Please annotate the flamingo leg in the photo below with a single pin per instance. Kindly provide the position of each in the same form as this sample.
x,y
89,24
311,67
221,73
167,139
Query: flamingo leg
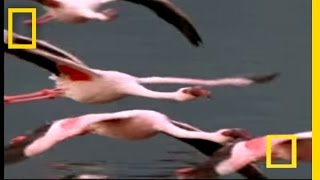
x,y
40,95
41,20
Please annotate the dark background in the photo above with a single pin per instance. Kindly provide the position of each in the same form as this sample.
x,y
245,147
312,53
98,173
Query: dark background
x,y
240,37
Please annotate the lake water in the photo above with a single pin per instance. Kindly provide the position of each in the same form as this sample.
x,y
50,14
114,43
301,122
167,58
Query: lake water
x,y
240,37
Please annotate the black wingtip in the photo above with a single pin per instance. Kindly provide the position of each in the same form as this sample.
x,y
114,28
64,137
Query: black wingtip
x,y
196,41
14,152
263,78
13,156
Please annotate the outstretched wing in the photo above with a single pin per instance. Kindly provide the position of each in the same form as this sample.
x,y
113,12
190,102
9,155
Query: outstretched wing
x,y
169,12
41,45
282,148
14,152
56,64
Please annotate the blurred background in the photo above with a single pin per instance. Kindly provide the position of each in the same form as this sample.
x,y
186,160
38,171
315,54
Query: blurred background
x,y
240,37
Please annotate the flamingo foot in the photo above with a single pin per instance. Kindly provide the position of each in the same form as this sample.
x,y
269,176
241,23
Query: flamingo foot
x,y
110,14
43,94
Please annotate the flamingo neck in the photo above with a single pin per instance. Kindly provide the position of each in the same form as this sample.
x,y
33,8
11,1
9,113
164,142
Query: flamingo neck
x,y
178,132
203,141
165,95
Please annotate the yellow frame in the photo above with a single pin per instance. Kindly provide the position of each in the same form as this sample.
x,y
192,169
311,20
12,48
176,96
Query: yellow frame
x,y
315,86
293,139
33,12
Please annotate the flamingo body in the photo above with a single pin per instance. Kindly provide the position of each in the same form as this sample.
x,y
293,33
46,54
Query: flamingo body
x,y
236,156
72,11
75,80
81,11
127,125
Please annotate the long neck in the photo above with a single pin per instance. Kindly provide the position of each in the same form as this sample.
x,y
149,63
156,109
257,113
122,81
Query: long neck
x,y
212,82
198,139
144,92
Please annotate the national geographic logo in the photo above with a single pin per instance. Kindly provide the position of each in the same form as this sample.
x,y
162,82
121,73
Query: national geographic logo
x,y
293,139
11,12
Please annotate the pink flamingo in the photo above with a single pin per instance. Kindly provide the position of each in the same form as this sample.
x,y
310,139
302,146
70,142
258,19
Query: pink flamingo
x,y
233,157
78,176
128,125
85,176
81,83
80,11
81,176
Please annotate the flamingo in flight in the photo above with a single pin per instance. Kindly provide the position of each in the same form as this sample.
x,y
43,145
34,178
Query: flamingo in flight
x,y
77,81
128,125
84,176
80,11
80,176
235,156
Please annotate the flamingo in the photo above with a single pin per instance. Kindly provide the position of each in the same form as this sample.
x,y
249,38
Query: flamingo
x,y
128,125
77,81
80,11
83,176
235,156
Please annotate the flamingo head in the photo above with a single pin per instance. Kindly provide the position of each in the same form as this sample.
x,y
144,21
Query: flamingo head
x,y
236,133
15,151
190,93
232,134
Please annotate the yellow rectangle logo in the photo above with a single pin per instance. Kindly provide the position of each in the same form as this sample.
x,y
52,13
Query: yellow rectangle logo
x,y
293,139
33,12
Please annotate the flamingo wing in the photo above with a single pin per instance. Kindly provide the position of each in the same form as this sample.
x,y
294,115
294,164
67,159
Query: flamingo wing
x,y
53,62
46,136
41,45
14,152
169,12
283,148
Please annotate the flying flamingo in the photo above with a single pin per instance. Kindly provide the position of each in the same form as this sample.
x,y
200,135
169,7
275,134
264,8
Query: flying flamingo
x,y
80,176
235,156
85,176
80,11
81,83
128,125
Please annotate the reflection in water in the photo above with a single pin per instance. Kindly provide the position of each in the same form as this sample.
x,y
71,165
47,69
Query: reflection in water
x,y
84,176
157,168
78,170
92,166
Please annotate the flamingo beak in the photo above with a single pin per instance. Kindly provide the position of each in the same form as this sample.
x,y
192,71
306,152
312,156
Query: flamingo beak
x,y
199,91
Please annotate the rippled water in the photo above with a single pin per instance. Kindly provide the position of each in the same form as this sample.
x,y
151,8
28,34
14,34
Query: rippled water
x,y
240,37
